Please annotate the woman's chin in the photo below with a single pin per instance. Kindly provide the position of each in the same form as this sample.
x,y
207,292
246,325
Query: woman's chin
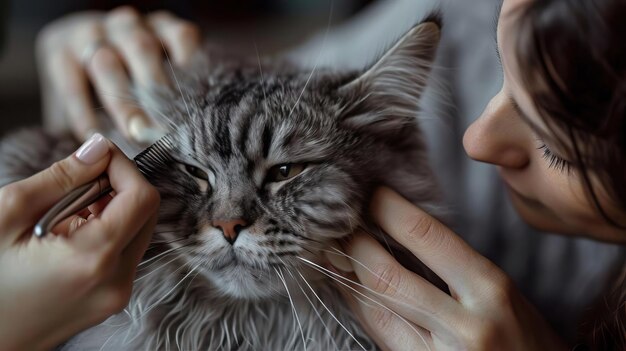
x,y
541,217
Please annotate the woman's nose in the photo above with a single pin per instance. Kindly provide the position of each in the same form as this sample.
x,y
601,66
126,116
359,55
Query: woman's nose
x,y
498,137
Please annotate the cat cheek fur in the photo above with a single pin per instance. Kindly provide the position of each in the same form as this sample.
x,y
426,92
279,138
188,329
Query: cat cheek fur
x,y
324,203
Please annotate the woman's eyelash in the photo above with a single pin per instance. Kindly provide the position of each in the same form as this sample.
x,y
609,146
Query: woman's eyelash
x,y
555,161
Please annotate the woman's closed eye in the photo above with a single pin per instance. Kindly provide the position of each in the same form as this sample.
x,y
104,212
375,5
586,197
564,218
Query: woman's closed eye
x,y
555,161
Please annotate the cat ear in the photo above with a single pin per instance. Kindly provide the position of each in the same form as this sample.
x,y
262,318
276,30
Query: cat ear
x,y
384,98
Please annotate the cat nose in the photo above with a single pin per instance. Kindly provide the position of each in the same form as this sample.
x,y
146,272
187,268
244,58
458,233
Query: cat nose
x,y
230,228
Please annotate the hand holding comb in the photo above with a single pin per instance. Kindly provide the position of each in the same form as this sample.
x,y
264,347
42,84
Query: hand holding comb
x,y
149,160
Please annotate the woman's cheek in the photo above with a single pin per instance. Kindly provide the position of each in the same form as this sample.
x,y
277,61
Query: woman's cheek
x,y
568,200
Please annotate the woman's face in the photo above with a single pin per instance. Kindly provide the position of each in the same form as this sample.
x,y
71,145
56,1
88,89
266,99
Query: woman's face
x,y
544,192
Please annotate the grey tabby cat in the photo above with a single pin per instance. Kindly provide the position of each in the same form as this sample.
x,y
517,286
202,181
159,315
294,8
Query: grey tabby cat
x,y
272,166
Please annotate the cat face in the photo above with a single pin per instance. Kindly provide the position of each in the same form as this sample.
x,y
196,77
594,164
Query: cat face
x,y
270,169
255,188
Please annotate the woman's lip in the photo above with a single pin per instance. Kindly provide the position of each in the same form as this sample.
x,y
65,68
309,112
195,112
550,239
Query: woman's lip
x,y
528,201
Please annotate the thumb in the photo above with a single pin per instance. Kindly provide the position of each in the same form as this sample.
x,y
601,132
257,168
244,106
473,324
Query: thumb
x,y
23,203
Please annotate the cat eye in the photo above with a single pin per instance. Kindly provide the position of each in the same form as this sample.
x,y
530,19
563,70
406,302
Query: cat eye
x,y
284,171
197,172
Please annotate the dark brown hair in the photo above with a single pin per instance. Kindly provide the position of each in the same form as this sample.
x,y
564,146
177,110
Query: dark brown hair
x,y
572,60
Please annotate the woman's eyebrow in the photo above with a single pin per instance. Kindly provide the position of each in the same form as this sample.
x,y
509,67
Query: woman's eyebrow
x,y
517,108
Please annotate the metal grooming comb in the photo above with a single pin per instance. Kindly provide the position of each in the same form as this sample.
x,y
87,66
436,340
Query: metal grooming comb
x,y
148,161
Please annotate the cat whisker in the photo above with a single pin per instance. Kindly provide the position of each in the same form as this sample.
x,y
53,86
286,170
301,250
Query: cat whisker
x,y
171,290
308,250
190,281
331,314
361,300
109,338
317,59
310,302
177,255
143,312
381,234
165,231
161,254
299,236
164,242
155,110
334,276
132,100
314,309
339,252
127,97
169,62
174,128
169,254
345,203
262,80
293,307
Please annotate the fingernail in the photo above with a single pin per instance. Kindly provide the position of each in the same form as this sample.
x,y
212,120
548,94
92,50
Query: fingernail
x,y
75,224
93,150
339,261
136,126
141,132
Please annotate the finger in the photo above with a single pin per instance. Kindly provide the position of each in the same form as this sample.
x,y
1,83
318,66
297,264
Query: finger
x,y
126,213
53,106
352,295
401,290
113,88
23,203
117,289
76,223
389,331
70,83
97,207
72,223
181,38
133,253
451,258
140,49
121,281
63,228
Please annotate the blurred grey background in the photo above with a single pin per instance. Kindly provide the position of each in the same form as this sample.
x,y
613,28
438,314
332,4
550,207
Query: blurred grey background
x,y
270,24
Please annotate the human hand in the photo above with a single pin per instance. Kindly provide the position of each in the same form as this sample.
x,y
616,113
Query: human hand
x,y
403,311
110,52
56,286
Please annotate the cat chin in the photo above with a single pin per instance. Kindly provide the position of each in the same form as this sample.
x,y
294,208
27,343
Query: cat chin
x,y
242,283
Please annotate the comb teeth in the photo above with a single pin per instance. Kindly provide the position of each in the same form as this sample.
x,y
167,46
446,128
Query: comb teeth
x,y
155,157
